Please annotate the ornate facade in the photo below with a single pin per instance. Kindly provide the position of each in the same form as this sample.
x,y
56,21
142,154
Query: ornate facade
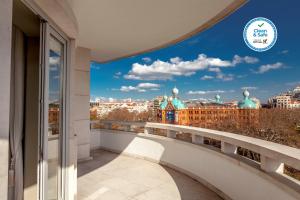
x,y
173,111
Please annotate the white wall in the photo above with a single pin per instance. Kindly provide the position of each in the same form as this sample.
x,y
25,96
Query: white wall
x,y
226,175
5,66
80,98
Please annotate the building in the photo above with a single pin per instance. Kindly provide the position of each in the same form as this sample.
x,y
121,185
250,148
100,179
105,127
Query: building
x,y
281,101
94,103
295,104
286,100
173,111
156,102
296,90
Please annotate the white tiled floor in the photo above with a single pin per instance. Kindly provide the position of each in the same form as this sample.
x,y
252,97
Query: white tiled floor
x,y
111,176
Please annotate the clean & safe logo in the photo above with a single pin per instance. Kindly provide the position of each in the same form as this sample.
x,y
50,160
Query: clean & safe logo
x,y
260,34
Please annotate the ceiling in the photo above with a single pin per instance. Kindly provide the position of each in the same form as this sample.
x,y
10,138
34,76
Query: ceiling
x,y
114,29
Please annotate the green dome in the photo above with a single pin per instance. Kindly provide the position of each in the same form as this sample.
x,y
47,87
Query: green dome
x,y
175,102
163,104
246,103
178,104
218,99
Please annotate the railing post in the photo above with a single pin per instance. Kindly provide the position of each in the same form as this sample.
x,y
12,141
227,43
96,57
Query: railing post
x,y
228,148
128,128
147,130
271,165
171,134
108,125
197,139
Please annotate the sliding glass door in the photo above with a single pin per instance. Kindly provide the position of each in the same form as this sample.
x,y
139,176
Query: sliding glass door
x,y
52,134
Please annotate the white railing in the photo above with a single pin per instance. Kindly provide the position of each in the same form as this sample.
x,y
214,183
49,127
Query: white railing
x,y
273,156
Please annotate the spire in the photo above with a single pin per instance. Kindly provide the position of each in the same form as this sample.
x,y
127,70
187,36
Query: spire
x,y
218,99
175,92
246,94
246,102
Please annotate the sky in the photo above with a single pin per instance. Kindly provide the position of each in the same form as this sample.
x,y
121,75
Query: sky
x,y
215,61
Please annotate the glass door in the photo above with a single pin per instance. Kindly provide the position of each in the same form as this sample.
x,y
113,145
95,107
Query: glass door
x,y
52,135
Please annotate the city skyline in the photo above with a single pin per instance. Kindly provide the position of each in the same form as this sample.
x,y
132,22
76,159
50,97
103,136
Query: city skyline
x,y
216,61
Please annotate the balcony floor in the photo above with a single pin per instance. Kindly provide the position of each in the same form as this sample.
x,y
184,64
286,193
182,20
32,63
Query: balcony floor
x,y
116,177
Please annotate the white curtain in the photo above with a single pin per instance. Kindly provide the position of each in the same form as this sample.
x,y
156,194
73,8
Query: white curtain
x,y
16,116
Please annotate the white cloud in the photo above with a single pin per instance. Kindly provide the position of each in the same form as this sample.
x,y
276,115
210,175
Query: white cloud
x,y
161,70
265,68
127,88
241,75
225,77
101,99
93,66
141,90
147,59
141,87
221,76
247,59
206,77
148,85
175,60
203,92
117,75
284,51
293,83
54,60
249,88
214,69
154,89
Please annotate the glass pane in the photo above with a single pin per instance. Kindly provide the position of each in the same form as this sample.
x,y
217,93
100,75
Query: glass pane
x,y
54,112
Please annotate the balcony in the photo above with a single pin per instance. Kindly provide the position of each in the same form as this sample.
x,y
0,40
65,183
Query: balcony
x,y
125,151
112,176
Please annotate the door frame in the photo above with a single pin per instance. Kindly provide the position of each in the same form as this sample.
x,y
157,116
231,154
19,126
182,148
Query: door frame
x,y
48,31
68,170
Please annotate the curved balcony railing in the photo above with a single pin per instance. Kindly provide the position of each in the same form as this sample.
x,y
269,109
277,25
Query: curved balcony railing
x,y
273,156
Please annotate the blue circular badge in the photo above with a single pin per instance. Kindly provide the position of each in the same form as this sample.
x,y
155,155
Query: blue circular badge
x,y
260,34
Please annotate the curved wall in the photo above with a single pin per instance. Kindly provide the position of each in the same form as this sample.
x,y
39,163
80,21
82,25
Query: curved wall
x,y
229,177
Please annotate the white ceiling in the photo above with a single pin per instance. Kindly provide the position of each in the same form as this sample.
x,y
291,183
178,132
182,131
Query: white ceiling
x,y
119,28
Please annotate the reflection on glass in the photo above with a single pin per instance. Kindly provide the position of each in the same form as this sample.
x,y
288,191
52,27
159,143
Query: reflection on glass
x,y
54,119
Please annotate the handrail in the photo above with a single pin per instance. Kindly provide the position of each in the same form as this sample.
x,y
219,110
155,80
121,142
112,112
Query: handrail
x,y
141,124
279,152
273,155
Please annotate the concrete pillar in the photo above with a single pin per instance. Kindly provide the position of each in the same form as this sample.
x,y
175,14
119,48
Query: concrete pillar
x,y
148,130
129,128
228,148
72,138
171,134
5,67
271,165
79,100
197,139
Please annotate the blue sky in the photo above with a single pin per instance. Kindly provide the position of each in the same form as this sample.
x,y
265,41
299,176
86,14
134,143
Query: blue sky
x,y
214,61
